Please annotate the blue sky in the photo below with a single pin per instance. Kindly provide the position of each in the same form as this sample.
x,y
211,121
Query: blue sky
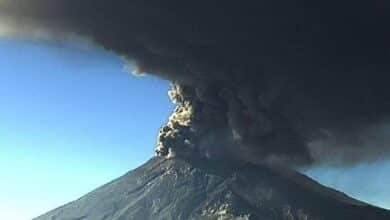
x,y
71,119
369,182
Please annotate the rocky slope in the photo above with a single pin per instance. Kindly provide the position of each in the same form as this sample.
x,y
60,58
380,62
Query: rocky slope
x,y
176,189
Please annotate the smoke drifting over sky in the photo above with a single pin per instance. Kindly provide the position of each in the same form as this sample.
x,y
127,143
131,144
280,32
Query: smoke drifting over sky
x,y
298,81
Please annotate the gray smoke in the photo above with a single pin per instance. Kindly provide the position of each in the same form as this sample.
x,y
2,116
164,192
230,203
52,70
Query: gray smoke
x,y
296,81
216,121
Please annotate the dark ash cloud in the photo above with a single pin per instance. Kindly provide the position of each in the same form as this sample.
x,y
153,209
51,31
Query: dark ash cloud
x,y
252,80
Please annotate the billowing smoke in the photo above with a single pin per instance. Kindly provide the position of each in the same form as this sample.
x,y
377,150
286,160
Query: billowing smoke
x,y
297,81
220,120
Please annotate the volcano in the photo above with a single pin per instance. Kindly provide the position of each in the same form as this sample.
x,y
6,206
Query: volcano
x,y
178,189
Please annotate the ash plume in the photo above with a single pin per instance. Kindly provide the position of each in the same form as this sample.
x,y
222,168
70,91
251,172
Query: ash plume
x,y
251,80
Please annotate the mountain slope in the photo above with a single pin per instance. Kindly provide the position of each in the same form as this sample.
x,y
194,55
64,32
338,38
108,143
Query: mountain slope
x,y
175,189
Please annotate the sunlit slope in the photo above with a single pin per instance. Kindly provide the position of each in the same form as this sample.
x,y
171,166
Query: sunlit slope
x,y
175,189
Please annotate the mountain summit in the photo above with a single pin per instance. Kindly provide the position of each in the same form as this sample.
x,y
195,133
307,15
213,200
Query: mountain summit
x,y
177,189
